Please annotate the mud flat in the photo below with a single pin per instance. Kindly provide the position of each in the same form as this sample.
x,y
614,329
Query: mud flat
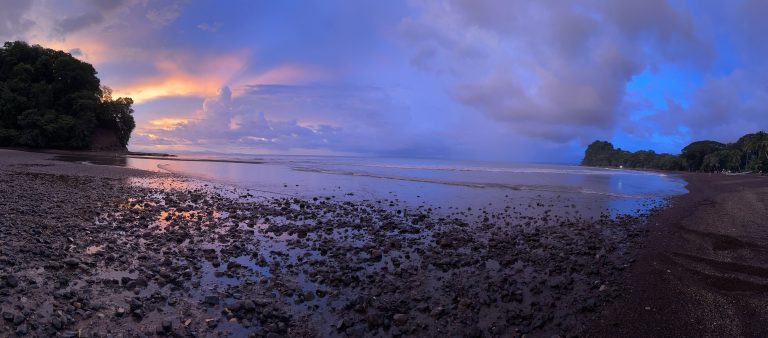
x,y
96,251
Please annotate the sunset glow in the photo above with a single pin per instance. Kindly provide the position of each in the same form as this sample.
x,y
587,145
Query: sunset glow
x,y
448,76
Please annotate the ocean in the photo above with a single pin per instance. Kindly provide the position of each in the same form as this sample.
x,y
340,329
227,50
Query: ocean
x,y
442,184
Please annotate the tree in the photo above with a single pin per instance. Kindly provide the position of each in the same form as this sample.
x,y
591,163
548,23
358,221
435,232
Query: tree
x,y
599,153
727,159
750,152
755,150
118,116
50,99
693,154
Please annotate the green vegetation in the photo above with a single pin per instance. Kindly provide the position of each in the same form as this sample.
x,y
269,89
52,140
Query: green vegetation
x,y
49,99
749,153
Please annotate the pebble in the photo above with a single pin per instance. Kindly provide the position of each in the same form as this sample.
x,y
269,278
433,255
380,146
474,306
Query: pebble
x,y
400,319
11,281
211,300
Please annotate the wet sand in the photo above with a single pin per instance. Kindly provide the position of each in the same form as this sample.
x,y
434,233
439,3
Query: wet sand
x,y
702,269
106,251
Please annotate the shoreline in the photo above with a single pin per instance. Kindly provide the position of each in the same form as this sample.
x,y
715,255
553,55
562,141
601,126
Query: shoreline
x,y
291,266
702,270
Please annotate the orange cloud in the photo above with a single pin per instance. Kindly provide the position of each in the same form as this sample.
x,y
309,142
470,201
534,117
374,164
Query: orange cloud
x,y
179,73
182,75
168,123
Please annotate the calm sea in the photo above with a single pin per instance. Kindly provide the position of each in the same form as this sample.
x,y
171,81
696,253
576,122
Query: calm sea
x,y
429,183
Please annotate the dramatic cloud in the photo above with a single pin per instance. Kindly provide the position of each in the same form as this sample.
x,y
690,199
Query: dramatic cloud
x,y
472,79
287,118
549,69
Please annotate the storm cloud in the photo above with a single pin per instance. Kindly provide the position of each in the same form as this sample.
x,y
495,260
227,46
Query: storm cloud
x,y
550,69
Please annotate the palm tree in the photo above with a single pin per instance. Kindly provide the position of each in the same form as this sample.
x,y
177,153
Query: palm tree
x,y
755,147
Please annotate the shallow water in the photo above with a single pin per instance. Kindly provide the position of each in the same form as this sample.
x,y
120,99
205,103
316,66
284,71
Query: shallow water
x,y
428,183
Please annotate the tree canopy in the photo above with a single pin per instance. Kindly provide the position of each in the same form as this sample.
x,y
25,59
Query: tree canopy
x,y
49,99
750,152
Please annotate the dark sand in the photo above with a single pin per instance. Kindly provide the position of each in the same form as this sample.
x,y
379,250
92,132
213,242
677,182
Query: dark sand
x,y
702,270
85,252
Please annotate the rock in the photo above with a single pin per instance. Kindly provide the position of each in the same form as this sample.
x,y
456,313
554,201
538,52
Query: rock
x,y
374,320
376,255
120,312
234,307
18,319
22,330
167,325
248,305
56,323
70,334
211,300
309,296
11,281
400,319
341,325
8,316
356,331
141,282
233,266
72,262
138,314
136,304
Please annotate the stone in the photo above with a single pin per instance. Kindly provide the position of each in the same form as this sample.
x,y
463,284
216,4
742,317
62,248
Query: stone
x,y
11,281
138,314
18,319
22,330
400,319
376,255
341,325
71,262
211,300
56,323
248,305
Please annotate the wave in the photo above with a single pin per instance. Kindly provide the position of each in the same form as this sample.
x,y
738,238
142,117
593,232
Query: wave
x,y
299,161
518,170
479,185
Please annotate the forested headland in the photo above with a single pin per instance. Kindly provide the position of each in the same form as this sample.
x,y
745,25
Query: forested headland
x,y
50,99
748,153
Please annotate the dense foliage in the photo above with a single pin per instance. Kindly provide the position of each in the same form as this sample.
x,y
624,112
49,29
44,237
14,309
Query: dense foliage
x,y
749,153
49,99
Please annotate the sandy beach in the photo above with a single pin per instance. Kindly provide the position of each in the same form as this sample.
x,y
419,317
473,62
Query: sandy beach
x,y
702,269
95,251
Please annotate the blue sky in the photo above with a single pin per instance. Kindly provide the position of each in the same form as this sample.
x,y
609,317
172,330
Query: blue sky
x,y
487,80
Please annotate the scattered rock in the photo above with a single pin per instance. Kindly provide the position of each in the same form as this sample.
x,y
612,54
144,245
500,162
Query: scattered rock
x,y
400,319
211,300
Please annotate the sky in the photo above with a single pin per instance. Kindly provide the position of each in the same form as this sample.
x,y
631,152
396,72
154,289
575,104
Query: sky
x,y
507,80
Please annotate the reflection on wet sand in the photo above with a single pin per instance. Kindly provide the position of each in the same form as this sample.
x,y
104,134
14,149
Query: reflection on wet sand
x,y
363,257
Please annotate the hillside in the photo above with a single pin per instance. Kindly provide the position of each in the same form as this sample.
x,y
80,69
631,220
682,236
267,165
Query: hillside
x,y
49,99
